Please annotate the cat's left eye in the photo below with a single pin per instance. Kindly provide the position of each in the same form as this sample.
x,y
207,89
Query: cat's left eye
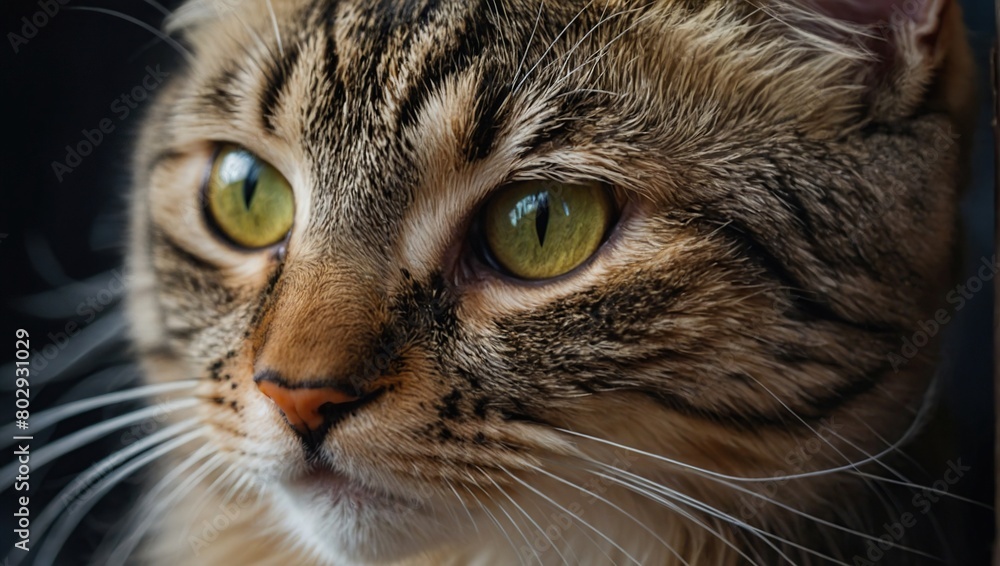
x,y
248,200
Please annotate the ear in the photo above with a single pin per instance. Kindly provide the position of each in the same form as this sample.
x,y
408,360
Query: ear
x,y
922,54
916,22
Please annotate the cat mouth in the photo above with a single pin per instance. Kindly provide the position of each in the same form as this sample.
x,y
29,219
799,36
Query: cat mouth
x,y
326,484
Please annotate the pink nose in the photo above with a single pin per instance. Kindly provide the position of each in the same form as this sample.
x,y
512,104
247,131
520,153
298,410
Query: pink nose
x,y
307,408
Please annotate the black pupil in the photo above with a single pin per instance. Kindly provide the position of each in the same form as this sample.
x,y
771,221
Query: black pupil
x,y
250,184
541,216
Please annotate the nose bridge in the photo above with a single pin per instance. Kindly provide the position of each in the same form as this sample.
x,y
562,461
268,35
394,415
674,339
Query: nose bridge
x,y
319,324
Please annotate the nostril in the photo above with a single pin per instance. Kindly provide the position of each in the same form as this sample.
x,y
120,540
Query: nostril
x,y
331,410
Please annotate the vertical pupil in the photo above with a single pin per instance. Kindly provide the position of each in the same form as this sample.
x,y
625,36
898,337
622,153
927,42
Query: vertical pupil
x,y
542,216
250,184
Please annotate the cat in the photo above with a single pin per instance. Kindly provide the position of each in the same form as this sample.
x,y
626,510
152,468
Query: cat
x,y
531,282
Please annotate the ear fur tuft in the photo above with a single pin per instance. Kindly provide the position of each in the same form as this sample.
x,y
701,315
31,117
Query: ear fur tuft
x,y
920,47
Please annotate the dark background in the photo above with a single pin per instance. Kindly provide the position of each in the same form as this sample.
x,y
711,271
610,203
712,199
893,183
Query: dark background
x,y
59,240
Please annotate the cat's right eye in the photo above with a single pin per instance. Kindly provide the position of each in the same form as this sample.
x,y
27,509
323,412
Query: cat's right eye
x,y
536,230
247,199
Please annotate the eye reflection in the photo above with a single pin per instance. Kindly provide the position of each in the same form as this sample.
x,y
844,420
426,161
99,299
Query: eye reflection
x,y
235,166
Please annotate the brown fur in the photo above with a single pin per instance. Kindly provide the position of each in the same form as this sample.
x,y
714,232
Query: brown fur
x,y
790,215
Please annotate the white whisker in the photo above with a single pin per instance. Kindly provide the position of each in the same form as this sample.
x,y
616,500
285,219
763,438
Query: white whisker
x,y
595,57
100,469
715,512
462,503
209,491
903,480
121,553
166,38
108,379
44,261
500,527
702,471
150,497
62,302
530,519
83,437
585,523
50,417
660,494
243,484
604,19
94,341
696,520
928,489
613,506
67,522
537,504
579,528
805,515
96,338
551,45
520,65
834,433
277,31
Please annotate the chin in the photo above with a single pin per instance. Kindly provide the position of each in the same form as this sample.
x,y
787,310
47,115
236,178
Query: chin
x,y
340,521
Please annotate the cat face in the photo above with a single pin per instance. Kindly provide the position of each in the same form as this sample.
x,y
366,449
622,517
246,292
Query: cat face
x,y
745,210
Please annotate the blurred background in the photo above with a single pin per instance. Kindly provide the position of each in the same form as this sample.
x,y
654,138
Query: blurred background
x,y
62,217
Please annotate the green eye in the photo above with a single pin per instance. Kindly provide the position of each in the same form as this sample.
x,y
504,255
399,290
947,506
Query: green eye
x,y
543,229
249,201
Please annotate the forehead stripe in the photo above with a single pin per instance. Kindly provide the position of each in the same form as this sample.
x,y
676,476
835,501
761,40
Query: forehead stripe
x,y
274,83
469,41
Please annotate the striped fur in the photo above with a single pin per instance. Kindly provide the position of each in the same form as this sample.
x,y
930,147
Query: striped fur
x,y
789,185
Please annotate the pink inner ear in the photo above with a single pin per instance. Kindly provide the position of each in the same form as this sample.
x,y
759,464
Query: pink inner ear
x,y
875,12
